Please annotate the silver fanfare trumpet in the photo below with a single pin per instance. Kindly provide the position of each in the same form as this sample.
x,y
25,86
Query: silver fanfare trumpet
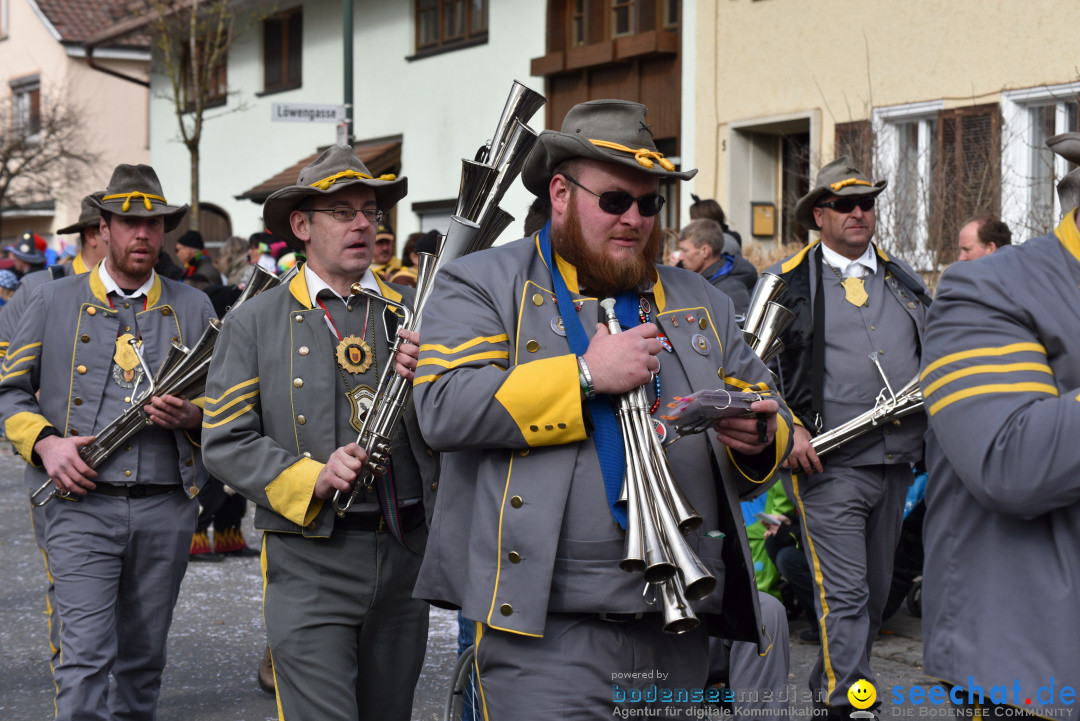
x,y
658,513
476,224
182,374
889,407
765,318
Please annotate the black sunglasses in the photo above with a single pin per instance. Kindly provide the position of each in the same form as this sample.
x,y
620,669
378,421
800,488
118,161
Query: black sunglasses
x,y
846,205
618,202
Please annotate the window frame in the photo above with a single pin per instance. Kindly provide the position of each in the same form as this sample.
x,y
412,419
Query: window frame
x,y
219,92
475,23
286,42
28,86
1017,163
886,124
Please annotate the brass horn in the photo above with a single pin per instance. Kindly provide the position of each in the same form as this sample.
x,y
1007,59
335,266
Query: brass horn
x,y
658,513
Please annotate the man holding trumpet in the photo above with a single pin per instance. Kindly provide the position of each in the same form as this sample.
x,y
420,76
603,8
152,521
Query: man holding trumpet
x,y
118,542
516,367
290,384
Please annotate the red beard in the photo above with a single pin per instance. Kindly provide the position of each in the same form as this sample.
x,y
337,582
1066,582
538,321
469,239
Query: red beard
x,y
597,271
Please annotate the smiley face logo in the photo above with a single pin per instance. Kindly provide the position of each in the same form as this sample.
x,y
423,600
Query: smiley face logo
x,y
862,694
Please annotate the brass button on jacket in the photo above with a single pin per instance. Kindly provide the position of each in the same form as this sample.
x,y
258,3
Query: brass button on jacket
x,y
506,609
516,502
81,370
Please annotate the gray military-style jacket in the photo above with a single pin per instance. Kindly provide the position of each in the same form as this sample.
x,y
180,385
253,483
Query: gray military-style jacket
x,y
269,425
1002,531
497,391
64,347
13,309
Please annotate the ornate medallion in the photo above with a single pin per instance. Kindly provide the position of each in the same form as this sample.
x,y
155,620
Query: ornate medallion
x,y
354,354
126,369
360,400
855,291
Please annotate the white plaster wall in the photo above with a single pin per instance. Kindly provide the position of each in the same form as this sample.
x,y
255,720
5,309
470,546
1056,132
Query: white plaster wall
x,y
444,106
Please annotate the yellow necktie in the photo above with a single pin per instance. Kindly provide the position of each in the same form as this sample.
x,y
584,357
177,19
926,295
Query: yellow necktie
x,y
855,291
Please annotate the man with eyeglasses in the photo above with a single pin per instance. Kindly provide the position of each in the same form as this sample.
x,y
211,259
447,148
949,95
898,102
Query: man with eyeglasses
x,y
515,382
292,378
858,325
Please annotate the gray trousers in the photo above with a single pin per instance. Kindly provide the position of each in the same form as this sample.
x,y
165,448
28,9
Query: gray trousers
x,y
851,526
346,636
758,680
587,668
37,521
117,564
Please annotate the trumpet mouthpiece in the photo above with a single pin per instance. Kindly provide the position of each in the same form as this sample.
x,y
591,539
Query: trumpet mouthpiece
x,y
608,304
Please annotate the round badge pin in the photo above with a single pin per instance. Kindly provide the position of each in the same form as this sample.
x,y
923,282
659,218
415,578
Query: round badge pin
x,y
660,429
557,325
700,344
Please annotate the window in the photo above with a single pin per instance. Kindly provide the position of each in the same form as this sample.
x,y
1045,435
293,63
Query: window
x,y
216,83
623,18
671,14
1030,170
282,50
447,24
26,107
578,29
905,154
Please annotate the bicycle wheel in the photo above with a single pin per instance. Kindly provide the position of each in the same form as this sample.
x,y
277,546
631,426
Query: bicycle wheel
x,y
462,687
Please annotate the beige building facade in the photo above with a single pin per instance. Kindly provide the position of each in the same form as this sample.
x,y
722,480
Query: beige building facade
x,y
42,62
951,101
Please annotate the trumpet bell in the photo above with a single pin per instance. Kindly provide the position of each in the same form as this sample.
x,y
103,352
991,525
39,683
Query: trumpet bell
x,y
679,617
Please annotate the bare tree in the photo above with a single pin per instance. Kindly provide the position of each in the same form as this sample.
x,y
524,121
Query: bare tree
x,y
40,150
192,40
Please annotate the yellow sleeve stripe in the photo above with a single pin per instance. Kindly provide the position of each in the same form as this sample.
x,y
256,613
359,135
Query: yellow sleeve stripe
x,y
417,380
550,418
743,385
200,402
993,388
977,352
238,386
5,376
975,370
11,365
225,420
23,430
230,404
435,348
500,354
15,353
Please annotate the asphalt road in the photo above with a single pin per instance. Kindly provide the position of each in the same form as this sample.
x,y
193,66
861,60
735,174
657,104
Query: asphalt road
x,y
217,636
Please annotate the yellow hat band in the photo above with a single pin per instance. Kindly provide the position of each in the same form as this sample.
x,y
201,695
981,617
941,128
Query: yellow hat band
x,y
325,183
850,181
146,198
644,156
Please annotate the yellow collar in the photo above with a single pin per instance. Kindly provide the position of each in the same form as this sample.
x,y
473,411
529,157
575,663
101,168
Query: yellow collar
x,y
102,294
79,265
298,288
1068,234
799,257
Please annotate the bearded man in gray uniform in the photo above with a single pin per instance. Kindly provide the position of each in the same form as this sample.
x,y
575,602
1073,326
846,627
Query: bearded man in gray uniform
x,y
524,538
858,314
290,382
1001,381
118,548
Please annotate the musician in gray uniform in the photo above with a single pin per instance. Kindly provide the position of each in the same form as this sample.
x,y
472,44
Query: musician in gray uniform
x,y
291,378
858,314
91,250
1001,382
118,549
525,538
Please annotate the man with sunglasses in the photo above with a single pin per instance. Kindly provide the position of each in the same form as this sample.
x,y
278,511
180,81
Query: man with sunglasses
x,y
292,377
515,382
858,317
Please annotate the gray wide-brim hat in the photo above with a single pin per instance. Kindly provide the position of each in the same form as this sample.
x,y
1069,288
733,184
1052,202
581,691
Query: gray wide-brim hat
x,y
89,215
335,169
1067,145
135,191
840,178
610,130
